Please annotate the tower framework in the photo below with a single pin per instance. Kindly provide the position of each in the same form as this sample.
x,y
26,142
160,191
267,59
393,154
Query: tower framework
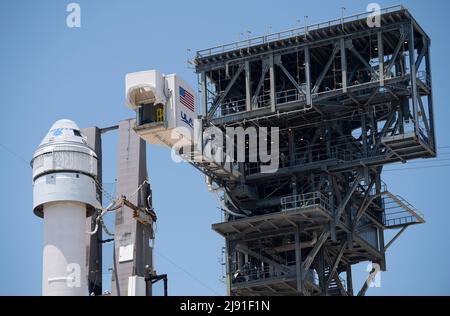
x,y
348,98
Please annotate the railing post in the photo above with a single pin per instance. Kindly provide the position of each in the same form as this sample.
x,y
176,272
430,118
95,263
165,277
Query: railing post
x,y
272,83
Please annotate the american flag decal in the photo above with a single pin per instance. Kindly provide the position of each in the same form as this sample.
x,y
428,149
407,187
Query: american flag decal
x,y
187,99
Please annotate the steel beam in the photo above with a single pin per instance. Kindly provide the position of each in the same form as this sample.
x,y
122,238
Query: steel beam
x,y
380,57
421,56
312,254
291,79
325,69
396,52
307,76
412,65
93,243
349,280
347,196
335,265
298,262
430,96
394,238
343,65
265,68
335,276
204,94
273,93
424,116
364,204
248,92
363,61
225,92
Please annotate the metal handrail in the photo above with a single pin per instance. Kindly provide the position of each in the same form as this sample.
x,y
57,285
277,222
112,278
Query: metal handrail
x,y
306,200
246,274
252,273
398,211
266,39
306,157
229,106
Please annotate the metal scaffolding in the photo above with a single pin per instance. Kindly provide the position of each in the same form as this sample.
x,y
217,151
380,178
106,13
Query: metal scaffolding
x,y
348,99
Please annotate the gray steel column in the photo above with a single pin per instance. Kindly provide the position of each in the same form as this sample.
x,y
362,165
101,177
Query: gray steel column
x,y
273,101
204,95
381,57
321,271
307,76
364,133
343,65
228,279
430,95
349,280
93,243
132,172
248,96
298,262
413,70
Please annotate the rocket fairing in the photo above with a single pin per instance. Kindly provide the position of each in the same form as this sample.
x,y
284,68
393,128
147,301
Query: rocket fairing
x,y
64,194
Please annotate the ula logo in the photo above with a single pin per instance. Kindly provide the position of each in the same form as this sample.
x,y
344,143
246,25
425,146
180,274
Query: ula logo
x,y
186,119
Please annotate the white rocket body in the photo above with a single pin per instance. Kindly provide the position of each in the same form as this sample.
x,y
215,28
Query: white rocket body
x,y
64,171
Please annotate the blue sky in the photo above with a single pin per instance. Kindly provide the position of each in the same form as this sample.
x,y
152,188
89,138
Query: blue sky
x,y
48,72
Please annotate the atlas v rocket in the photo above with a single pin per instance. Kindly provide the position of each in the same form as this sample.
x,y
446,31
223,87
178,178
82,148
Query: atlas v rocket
x,y
64,194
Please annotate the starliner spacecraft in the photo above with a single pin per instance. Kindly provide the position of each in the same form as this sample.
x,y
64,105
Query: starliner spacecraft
x,y
64,194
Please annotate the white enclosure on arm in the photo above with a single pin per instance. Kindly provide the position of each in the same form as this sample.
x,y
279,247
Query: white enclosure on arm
x,y
165,107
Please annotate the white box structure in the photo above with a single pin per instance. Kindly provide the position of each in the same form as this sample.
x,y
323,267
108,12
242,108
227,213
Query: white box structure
x,y
165,107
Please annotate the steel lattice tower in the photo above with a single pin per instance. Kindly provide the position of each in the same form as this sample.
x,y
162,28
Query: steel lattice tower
x,y
348,99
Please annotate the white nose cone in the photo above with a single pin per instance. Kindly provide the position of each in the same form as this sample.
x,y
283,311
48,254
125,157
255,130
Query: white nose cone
x,y
64,193
63,131
64,167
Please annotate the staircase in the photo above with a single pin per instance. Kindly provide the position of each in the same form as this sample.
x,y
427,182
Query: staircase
x,y
333,287
399,212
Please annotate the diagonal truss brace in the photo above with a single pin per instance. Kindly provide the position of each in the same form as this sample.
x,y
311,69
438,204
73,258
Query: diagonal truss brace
x,y
312,254
291,79
396,52
225,93
395,238
265,69
325,69
364,62
348,195
336,264
364,205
